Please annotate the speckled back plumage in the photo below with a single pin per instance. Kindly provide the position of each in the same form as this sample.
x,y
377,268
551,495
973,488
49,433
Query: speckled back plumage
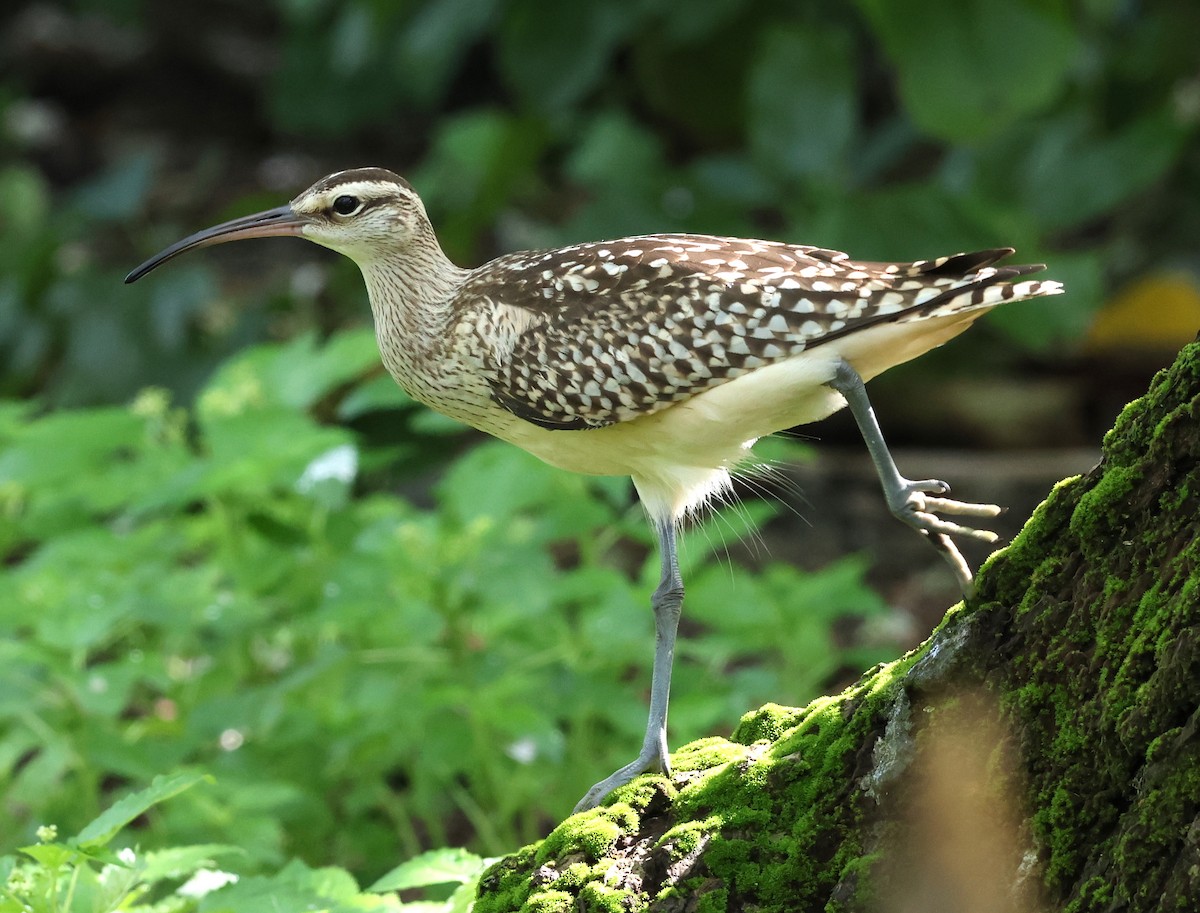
x,y
594,334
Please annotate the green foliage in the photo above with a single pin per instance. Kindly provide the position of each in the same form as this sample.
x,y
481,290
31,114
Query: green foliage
x,y
56,295
553,55
220,578
220,590
970,70
780,124
81,875
891,130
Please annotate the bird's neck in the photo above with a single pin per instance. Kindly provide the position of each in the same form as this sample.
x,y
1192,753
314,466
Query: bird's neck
x,y
413,296
412,299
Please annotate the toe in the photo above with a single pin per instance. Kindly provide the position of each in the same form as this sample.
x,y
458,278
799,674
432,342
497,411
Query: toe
x,y
962,508
929,486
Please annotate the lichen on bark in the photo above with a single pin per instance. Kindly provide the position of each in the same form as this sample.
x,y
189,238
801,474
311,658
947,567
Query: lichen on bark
x,y
1060,707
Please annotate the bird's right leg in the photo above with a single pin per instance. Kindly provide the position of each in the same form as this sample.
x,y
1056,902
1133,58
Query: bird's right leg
x,y
668,604
908,500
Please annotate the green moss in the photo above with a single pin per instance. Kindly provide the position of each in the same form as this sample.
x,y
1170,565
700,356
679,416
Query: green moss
x,y
1102,508
711,899
549,902
597,897
1085,627
767,723
590,833
1105,598
506,885
683,839
642,792
573,876
704,754
1096,893
701,895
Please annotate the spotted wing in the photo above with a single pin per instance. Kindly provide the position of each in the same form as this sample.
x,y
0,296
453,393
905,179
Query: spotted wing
x,y
601,333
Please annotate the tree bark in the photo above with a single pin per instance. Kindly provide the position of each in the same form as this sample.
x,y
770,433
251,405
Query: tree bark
x,y
1038,752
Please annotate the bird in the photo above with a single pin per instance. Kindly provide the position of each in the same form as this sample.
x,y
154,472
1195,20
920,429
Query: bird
x,y
662,357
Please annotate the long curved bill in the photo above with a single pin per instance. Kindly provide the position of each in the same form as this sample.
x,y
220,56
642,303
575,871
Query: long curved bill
x,y
271,223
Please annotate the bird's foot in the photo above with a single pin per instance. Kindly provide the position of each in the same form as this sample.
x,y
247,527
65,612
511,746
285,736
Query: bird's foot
x,y
914,505
652,759
919,504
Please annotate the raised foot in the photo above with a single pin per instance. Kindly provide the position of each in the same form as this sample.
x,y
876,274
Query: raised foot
x,y
918,505
648,761
914,505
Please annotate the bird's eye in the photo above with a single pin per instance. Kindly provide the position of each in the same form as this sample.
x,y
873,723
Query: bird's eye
x,y
346,205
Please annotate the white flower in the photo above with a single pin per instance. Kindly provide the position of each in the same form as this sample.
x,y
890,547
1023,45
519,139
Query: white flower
x,y
523,750
339,464
205,882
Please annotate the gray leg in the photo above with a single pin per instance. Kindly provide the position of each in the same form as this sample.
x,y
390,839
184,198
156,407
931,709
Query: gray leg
x,y
667,603
910,500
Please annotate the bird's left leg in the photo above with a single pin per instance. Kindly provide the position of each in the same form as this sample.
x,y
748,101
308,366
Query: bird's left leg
x,y
668,604
911,501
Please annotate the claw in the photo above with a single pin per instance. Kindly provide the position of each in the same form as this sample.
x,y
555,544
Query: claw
x,y
927,522
914,505
929,486
958,564
963,508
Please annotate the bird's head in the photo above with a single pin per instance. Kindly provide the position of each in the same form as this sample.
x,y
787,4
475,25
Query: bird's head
x,y
366,214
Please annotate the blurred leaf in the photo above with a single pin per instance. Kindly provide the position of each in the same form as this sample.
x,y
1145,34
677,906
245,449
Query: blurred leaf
x,y
435,867
622,165
329,477
119,192
260,448
68,445
295,887
703,18
691,78
478,162
53,855
295,374
432,46
428,422
181,861
102,350
499,481
333,75
732,178
26,203
616,153
380,393
553,54
176,300
100,831
803,113
1073,172
352,39
463,899
969,68
900,222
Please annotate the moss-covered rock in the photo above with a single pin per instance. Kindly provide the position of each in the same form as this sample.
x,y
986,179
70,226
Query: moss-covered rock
x,y
1050,724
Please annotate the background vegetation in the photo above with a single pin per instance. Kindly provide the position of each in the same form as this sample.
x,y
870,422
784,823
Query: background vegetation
x,y
230,546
